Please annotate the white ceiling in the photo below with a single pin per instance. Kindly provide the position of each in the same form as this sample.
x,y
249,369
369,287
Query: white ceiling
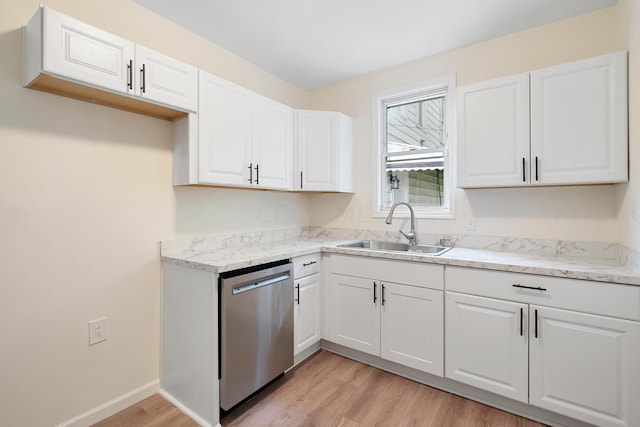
x,y
314,43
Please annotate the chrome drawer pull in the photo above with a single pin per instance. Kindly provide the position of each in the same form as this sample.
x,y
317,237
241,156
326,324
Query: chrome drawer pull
x,y
307,264
538,288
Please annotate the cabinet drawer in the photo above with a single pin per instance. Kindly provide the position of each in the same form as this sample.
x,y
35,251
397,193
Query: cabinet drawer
x,y
306,265
607,299
404,272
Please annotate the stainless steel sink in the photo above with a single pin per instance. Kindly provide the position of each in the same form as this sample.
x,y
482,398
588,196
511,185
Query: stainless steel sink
x,y
377,245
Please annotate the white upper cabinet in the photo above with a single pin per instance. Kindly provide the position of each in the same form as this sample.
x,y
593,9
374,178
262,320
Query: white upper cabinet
x,y
493,137
245,140
71,49
324,142
272,142
560,125
579,121
163,79
224,134
66,56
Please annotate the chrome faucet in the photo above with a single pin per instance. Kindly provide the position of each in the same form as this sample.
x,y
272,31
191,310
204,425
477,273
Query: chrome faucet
x,y
411,235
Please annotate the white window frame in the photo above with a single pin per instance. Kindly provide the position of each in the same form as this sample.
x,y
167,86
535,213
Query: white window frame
x,y
407,94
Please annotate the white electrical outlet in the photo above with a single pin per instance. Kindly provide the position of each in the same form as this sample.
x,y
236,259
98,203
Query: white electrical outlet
x,y
471,224
97,331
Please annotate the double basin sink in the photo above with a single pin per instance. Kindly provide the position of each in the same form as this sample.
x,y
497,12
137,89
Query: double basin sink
x,y
382,246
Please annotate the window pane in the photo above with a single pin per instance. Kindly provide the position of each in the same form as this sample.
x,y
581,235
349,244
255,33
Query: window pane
x,y
426,187
415,146
416,125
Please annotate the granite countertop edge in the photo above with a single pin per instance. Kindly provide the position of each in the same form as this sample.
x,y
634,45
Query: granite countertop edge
x,y
221,260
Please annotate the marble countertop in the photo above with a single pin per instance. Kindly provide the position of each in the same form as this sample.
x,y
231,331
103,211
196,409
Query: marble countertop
x,y
228,258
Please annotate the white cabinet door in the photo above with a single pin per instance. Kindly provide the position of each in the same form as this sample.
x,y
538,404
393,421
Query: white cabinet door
x,y
77,51
325,151
412,325
486,344
493,133
224,137
307,312
166,80
356,317
585,366
579,121
65,56
272,136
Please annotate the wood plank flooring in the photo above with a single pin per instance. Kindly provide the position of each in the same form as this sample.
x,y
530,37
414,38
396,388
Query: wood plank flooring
x,y
330,390
153,411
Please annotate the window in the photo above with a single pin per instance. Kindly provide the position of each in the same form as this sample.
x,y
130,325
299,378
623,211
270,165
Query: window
x,y
415,155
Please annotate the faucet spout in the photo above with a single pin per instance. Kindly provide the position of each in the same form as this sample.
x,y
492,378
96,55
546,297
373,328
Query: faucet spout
x,y
411,235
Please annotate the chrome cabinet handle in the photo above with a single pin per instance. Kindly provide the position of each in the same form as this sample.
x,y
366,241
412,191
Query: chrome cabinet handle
x,y
524,176
301,180
537,169
536,323
307,264
375,285
383,300
298,289
257,173
250,173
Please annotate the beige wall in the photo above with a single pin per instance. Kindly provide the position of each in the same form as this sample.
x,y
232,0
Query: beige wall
x,y
85,198
576,213
86,195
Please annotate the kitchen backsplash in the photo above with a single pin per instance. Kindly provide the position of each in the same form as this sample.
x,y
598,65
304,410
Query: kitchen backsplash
x,y
539,247
207,243
567,248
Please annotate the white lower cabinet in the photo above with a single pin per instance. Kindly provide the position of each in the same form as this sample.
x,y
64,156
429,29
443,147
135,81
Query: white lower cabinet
x,y
189,342
585,366
524,337
307,312
417,347
356,313
487,344
400,322
307,302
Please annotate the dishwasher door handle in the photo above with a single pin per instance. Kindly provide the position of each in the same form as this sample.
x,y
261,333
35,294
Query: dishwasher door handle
x,y
259,284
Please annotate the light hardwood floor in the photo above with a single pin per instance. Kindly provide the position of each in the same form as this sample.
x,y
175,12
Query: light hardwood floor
x,y
330,390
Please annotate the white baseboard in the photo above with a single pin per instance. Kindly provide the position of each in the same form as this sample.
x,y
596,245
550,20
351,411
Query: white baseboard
x,y
186,410
113,406
305,354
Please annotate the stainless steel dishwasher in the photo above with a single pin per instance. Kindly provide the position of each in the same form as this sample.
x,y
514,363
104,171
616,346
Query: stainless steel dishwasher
x,y
256,329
